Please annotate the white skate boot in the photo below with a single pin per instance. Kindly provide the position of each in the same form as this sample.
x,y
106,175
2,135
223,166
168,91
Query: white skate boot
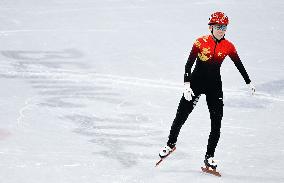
x,y
210,166
165,152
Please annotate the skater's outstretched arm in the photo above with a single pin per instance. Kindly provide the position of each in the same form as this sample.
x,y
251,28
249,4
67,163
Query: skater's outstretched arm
x,y
238,63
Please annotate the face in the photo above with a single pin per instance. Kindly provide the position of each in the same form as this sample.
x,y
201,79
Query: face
x,y
218,30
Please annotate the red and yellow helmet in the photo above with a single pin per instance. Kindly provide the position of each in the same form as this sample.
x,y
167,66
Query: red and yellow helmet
x,y
218,18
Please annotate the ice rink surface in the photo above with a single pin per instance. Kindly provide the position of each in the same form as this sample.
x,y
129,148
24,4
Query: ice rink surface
x,y
89,89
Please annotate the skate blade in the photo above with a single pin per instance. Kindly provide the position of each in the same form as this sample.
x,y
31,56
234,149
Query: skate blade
x,y
160,161
210,171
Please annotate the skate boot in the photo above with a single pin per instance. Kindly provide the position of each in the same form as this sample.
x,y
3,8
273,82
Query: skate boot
x,y
167,150
210,166
209,162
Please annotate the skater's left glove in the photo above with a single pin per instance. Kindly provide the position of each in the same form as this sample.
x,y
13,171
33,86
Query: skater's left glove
x,y
251,88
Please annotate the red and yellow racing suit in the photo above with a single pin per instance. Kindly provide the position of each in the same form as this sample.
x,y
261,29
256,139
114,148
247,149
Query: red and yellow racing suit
x,y
209,54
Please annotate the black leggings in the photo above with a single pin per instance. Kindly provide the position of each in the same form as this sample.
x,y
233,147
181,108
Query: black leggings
x,y
215,106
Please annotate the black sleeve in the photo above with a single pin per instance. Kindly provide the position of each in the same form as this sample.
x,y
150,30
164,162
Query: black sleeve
x,y
238,63
190,61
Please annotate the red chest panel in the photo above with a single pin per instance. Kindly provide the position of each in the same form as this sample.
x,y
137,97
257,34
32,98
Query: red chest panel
x,y
210,51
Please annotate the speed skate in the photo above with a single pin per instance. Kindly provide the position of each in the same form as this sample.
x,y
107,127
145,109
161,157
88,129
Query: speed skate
x,y
162,158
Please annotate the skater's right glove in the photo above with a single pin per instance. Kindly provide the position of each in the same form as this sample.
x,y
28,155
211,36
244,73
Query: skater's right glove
x,y
251,88
187,93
